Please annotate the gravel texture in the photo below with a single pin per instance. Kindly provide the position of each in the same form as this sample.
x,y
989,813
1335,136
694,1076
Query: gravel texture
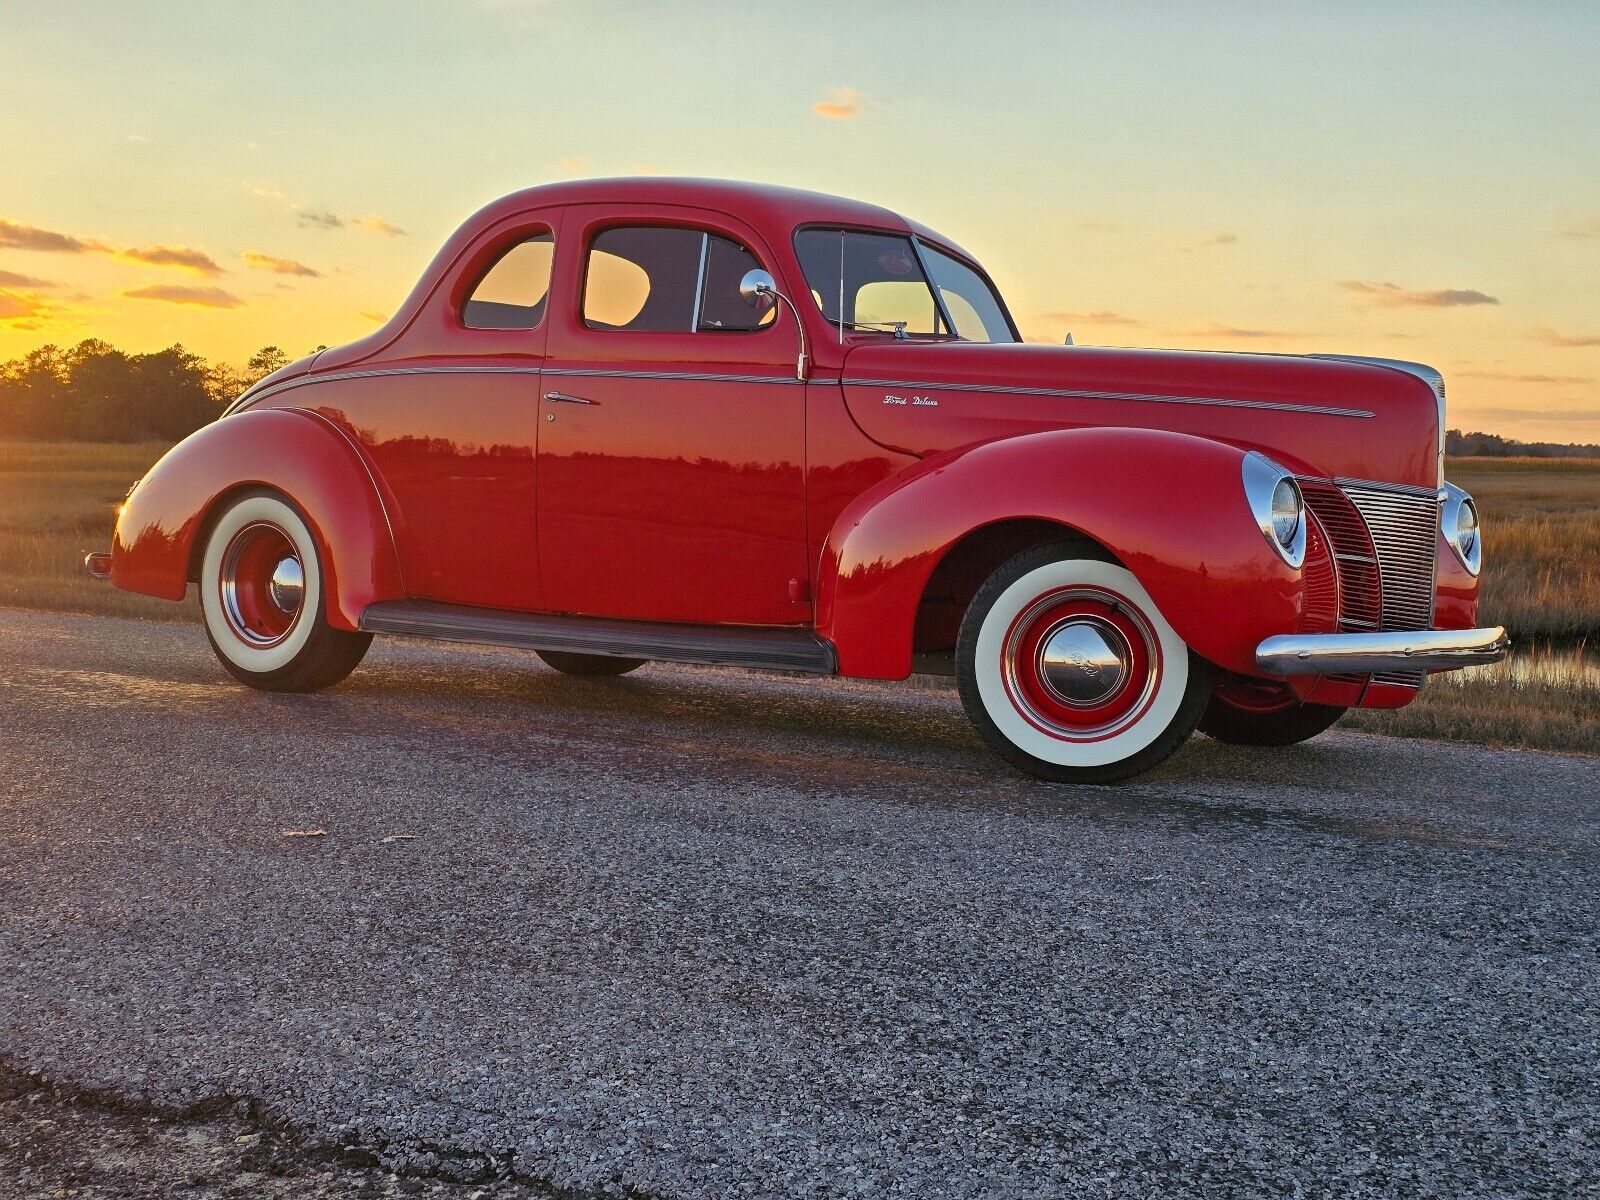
x,y
702,933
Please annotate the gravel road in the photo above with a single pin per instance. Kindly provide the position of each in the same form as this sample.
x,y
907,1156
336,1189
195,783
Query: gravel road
x,y
698,933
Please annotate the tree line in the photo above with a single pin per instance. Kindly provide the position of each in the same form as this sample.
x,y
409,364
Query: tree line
x,y
93,392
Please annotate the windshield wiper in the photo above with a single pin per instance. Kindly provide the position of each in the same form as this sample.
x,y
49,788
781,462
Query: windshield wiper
x,y
898,328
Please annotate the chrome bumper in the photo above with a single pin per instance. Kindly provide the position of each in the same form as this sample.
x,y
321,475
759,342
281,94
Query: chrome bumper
x,y
1368,653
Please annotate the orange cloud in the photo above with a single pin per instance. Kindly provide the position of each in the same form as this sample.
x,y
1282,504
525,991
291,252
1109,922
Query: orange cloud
x,y
16,236
12,279
27,311
1589,228
377,318
575,163
203,297
843,104
1392,295
185,258
1551,338
379,225
1101,317
279,266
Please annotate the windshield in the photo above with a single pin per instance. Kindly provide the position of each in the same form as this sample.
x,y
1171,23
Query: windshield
x,y
875,282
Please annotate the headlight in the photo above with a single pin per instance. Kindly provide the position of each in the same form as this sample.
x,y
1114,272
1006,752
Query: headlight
x,y
1458,519
1277,506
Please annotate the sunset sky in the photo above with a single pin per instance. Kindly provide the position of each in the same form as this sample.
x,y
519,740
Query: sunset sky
x,y
1411,180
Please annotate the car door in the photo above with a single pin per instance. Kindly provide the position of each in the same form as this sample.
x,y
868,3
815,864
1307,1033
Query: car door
x,y
449,420
672,431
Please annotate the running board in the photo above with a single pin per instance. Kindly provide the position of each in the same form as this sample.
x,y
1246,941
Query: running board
x,y
772,648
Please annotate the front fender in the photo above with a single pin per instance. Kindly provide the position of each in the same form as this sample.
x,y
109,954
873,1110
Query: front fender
x,y
1170,506
296,453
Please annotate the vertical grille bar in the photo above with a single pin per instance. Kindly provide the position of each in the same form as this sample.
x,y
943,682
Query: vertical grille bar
x,y
1404,525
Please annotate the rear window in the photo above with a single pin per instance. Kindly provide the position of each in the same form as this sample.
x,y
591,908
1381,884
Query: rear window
x,y
512,293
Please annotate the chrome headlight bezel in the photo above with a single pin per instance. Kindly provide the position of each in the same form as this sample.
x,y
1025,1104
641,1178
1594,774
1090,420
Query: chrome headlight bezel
x,y
1455,504
1262,480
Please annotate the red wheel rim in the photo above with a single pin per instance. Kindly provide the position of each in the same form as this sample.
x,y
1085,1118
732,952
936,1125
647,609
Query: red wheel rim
x,y
262,585
1081,663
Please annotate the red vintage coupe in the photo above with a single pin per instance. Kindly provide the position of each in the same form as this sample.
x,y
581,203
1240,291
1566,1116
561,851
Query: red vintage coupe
x,y
711,422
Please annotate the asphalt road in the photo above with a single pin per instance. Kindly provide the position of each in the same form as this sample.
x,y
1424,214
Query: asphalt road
x,y
703,933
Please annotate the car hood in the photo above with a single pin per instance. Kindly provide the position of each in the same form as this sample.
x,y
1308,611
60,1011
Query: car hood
x,y
1318,415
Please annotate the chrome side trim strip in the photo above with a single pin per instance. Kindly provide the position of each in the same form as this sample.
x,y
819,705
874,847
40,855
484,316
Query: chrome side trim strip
x,y
687,376
1086,394
1370,653
378,372
377,491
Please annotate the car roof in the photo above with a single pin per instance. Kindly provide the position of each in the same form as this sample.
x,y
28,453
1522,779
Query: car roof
x,y
755,202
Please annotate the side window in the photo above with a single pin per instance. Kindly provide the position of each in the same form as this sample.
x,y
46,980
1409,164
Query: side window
x,y
512,293
664,280
642,279
721,306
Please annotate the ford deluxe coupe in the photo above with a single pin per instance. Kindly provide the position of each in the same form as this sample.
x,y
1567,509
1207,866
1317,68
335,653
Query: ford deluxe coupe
x,y
694,421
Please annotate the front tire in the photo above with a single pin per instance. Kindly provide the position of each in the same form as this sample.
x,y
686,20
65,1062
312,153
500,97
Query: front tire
x,y
1070,672
262,600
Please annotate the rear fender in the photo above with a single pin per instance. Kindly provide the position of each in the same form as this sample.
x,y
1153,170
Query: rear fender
x,y
1170,506
294,452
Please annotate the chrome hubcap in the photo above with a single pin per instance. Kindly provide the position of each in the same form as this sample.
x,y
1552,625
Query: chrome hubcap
x,y
1084,661
288,586
261,584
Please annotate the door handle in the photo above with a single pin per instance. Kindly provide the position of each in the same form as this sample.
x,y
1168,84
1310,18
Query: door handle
x,y
565,398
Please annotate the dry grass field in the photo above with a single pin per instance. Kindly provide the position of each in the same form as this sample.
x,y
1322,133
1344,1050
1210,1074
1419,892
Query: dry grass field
x,y
1542,545
58,501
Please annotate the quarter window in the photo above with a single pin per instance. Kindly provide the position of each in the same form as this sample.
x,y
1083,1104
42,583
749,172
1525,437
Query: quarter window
x,y
656,279
512,293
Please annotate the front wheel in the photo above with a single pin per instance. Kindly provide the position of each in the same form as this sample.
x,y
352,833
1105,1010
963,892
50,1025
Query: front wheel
x,y
262,598
1070,672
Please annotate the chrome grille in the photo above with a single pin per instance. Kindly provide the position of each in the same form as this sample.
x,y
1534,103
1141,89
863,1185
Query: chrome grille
x,y
1404,526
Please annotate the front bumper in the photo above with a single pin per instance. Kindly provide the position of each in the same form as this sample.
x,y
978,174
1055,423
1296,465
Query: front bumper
x,y
1369,653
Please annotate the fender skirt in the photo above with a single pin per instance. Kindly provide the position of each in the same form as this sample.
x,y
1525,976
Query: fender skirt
x,y
1170,506
297,453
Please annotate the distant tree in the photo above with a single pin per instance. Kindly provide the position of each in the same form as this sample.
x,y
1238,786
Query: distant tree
x,y
172,383
33,394
101,397
263,363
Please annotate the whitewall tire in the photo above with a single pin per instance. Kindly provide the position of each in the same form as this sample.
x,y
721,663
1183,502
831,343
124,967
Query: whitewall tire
x,y
1070,672
262,597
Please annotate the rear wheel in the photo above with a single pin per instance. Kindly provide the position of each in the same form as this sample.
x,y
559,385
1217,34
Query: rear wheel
x,y
1070,672
262,599
1244,712
595,666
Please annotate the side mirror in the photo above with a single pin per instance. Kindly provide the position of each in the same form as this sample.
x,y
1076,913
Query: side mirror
x,y
759,289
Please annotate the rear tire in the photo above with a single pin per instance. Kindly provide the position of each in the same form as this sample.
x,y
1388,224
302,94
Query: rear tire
x,y
1286,724
1070,672
594,666
263,604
